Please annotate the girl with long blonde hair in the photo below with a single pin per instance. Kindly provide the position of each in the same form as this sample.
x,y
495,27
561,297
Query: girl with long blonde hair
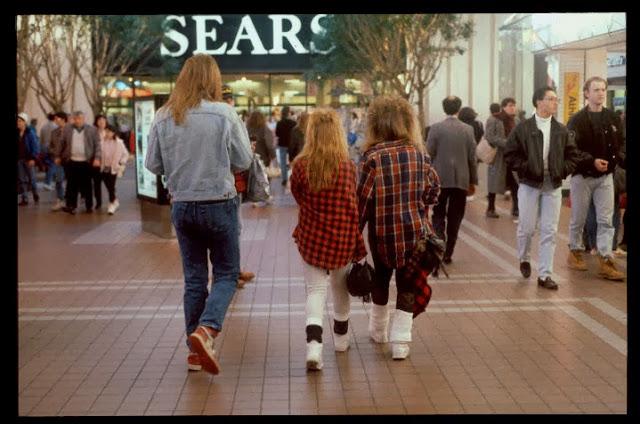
x,y
395,188
323,182
197,141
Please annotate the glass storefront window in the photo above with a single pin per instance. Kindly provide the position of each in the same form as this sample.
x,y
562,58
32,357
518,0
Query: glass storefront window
x,y
250,91
288,90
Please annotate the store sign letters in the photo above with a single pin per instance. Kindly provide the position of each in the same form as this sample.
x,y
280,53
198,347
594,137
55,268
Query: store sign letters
x,y
223,35
571,94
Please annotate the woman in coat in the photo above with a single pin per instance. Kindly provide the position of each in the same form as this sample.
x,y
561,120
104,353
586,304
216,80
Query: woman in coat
x,y
498,128
260,133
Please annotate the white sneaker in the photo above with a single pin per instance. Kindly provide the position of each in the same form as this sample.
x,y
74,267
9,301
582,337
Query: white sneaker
x,y
399,350
341,342
113,207
314,355
47,187
471,198
58,205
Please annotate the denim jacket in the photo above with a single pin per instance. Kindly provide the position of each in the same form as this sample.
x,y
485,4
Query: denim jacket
x,y
199,157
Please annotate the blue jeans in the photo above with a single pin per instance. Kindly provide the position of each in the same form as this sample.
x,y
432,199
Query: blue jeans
x,y
48,161
591,226
27,178
601,192
207,228
543,204
282,158
57,174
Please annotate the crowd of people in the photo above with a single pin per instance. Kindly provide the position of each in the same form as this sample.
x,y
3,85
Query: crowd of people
x,y
400,178
78,159
374,170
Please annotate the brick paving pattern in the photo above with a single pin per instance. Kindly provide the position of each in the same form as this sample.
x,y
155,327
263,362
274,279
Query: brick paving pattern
x,y
101,327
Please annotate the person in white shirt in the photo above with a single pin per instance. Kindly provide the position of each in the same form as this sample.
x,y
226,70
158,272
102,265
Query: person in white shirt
x,y
540,172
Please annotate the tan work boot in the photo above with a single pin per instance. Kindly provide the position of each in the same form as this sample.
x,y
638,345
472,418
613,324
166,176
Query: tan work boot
x,y
608,269
575,261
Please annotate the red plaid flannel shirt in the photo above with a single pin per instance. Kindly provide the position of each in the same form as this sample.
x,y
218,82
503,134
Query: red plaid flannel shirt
x,y
327,233
397,184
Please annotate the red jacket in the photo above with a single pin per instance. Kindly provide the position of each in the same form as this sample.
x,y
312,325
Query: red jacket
x,y
396,186
327,233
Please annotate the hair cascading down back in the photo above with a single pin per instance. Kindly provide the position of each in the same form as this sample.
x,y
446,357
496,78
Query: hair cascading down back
x,y
198,80
325,148
391,118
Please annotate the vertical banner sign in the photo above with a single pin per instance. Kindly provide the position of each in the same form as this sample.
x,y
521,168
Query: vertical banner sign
x,y
571,94
146,180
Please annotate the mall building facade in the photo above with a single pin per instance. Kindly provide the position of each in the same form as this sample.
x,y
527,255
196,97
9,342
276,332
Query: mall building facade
x,y
265,59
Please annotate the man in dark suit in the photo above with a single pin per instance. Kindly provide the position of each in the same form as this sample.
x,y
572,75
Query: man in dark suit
x,y
452,147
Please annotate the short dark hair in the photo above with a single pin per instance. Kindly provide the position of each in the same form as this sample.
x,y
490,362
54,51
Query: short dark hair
x,y
494,108
61,115
95,121
587,83
451,105
506,101
467,115
111,128
50,116
538,95
286,111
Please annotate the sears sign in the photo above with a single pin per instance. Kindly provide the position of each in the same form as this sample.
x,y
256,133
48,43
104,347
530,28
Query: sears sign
x,y
244,43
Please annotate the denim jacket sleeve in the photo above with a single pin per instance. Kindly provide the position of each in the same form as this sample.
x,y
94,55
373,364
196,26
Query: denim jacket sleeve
x,y
153,161
239,146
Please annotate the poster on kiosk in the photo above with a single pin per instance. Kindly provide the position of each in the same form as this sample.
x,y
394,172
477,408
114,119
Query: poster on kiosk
x,y
148,185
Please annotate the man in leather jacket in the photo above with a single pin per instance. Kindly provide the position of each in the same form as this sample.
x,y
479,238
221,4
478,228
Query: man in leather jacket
x,y
599,136
543,152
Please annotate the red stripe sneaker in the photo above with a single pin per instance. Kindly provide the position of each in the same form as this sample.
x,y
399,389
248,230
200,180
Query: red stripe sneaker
x,y
193,362
202,343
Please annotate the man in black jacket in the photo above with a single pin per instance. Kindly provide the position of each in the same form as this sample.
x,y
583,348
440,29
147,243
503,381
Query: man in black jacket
x,y
543,152
599,138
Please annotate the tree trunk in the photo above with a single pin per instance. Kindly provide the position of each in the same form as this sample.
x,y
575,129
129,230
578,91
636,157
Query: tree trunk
x,y
421,114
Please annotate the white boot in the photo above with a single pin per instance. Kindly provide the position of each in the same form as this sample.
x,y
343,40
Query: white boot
x,y
314,355
378,323
341,342
400,336
111,209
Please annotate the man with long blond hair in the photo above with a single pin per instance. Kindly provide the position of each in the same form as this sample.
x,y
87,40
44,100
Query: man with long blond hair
x,y
323,182
197,141
395,188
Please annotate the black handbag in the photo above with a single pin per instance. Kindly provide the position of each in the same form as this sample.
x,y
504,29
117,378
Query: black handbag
x,y
360,281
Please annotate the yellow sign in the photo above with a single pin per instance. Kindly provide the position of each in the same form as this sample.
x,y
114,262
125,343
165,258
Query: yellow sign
x,y
571,94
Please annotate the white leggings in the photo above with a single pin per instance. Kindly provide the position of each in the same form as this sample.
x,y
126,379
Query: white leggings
x,y
316,280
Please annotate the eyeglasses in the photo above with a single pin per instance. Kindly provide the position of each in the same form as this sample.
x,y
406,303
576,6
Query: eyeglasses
x,y
552,99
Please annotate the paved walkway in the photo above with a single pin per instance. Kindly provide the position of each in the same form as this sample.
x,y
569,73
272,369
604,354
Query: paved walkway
x,y
101,327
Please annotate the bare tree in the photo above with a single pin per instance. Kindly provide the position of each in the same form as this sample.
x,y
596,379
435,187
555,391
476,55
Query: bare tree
x,y
112,46
52,75
25,56
398,54
431,39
